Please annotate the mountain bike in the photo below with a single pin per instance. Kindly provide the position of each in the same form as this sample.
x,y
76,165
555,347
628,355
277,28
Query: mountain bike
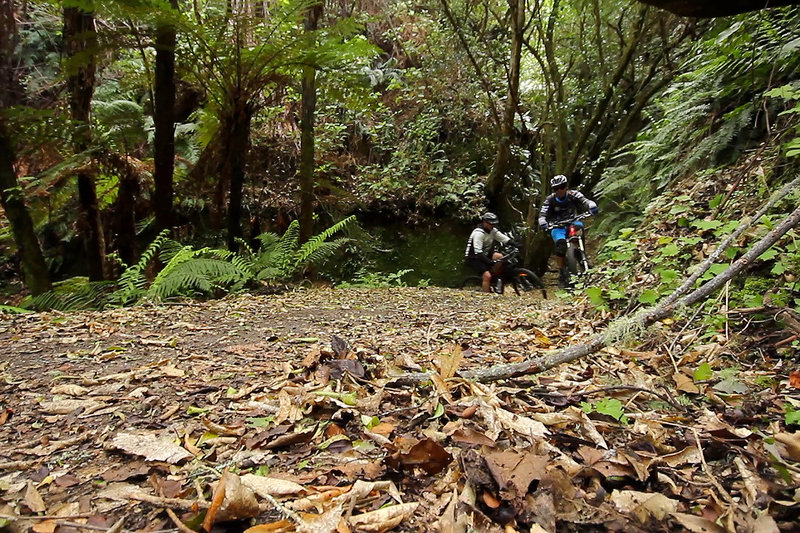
x,y
521,279
576,258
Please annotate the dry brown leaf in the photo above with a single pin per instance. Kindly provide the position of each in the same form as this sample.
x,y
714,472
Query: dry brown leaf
x,y
697,524
45,526
65,407
685,384
33,499
151,447
384,428
644,505
792,443
490,501
70,389
383,519
270,486
281,526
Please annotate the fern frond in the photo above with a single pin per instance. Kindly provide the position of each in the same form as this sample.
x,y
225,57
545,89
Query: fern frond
x,y
308,249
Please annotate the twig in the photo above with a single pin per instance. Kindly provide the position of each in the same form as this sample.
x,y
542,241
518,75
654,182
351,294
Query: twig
x,y
47,517
285,511
178,522
707,470
174,503
635,389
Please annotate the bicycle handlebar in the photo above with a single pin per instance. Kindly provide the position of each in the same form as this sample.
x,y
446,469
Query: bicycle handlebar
x,y
566,222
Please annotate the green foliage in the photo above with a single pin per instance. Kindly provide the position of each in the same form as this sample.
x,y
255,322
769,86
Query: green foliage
x,y
606,406
190,272
379,280
708,116
282,258
792,416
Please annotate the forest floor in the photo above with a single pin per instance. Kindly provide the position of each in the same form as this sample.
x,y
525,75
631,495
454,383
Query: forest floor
x,y
278,413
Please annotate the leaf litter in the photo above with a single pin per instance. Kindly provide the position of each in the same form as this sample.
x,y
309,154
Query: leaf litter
x,y
279,413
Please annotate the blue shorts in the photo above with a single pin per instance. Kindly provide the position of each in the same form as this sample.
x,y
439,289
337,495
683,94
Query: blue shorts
x,y
561,233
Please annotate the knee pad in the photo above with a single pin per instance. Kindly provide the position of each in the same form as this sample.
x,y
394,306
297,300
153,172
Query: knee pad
x,y
561,247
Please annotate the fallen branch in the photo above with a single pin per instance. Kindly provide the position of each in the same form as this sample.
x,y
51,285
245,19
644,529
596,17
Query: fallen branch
x,y
623,326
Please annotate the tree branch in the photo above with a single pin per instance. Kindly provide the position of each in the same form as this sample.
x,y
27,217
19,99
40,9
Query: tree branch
x,y
623,326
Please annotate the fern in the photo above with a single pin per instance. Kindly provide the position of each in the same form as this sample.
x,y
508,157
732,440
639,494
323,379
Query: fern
x,y
71,295
132,284
280,259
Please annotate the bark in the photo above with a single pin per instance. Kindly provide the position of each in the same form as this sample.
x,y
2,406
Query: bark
x,y
308,108
164,121
124,216
496,182
237,127
626,325
80,40
34,268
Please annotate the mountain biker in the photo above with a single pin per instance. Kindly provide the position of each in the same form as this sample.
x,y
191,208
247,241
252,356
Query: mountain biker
x,y
479,255
562,205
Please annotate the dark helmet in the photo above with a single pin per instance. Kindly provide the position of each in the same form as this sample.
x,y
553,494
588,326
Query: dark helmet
x,y
558,181
491,218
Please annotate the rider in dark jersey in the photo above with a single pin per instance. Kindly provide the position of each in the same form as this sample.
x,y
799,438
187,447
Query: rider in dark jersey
x,y
563,204
479,255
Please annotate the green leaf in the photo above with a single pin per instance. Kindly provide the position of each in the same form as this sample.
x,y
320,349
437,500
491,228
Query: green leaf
x,y
260,422
792,416
370,422
716,201
702,373
668,276
670,250
439,411
611,407
194,410
704,225
648,297
595,295
587,407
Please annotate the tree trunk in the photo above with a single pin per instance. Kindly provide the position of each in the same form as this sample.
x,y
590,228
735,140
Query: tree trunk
x,y
496,182
80,41
34,268
237,126
164,121
308,107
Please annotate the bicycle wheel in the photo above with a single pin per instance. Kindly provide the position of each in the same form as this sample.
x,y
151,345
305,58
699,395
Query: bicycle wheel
x,y
575,261
524,280
472,283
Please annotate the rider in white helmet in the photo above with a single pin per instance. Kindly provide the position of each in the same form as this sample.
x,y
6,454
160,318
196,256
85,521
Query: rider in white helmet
x,y
479,247
561,205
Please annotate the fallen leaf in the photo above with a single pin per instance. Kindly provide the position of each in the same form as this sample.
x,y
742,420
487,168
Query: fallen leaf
x,y
685,383
270,486
697,524
427,454
65,407
644,505
383,519
33,499
792,443
151,447
794,379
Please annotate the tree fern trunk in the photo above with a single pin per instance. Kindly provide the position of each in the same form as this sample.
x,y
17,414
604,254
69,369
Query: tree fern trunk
x,y
309,103
237,125
164,119
80,39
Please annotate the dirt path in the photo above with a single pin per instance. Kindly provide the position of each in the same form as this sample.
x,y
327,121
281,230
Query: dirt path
x,y
293,385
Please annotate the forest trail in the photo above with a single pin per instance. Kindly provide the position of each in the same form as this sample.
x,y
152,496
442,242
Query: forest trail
x,y
124,413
